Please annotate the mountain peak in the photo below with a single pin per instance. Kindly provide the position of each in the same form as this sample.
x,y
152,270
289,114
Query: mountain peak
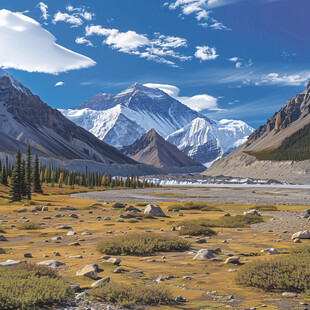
x,y
5,76
154,150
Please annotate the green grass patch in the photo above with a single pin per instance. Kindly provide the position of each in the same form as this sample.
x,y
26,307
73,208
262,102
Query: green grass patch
x,y
238,221
196,230
131,295
30,287
29,226
265,208
139,244
283,273
193,206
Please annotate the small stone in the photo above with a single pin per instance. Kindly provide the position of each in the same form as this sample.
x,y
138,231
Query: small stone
x,y
75,216
117,270
114,261
289,295
180,299
233,260
99,282
71,233
28,255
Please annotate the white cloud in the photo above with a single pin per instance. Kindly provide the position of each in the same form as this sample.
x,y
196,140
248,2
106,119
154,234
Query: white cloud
x,y
43,7
157,49
198,102
206,53
240,63
25,45
202,10
75,18
59,84
284,80
82,40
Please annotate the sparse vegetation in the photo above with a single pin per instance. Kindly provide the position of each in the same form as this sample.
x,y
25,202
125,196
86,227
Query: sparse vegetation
x,y
196,230
29,226
194,206
139,244
130,295
29,287
265,208
238,221
283,273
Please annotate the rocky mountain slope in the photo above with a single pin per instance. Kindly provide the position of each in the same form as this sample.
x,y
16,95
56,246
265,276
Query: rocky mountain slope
x,y
24,117
123,118
152,149
286,123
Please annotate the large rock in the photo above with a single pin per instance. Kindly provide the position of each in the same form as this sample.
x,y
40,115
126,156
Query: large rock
x,y
251,212
114,261
204,254
2,238
306,213
99,282
51,263
11,262
154,211
89,271
305,234
232,260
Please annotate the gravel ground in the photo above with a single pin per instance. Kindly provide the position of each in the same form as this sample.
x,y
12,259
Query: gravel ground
x,y
284,222
263,196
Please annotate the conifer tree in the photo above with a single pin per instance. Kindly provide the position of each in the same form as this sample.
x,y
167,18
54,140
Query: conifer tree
x,y
28,172
36,176
16,179
4,177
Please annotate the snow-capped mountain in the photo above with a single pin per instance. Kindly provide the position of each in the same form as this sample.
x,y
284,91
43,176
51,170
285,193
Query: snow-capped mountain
x,y
206,143
25,118
122,119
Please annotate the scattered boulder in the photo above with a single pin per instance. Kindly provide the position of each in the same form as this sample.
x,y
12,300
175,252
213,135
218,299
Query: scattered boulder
x,y
204,254
64,227
180,299
89,271
86,233
71,233
2,251
305,234
114,261
289,295
118,205
132,209
56,238
51,263
21,210
251,212
74,244
28,255
71,208
11,262
2,238
154,211
73,215
306,214
270,251
233,260
297,240
99,282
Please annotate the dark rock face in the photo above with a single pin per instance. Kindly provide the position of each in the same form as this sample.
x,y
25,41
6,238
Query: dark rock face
x,y
152,149
24,117
295,109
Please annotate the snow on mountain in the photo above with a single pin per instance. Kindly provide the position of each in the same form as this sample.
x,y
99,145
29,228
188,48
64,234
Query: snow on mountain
x,y
123,118
206,142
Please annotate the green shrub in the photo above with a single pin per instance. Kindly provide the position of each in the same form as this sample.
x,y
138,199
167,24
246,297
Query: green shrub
x,y
131,295
29,226
289,273
238,221
141,244
29,287
196,230
265,208
194,206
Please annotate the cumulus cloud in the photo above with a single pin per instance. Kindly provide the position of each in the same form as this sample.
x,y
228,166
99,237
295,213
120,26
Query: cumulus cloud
x,y
82,40
206,53
43,7
160,48
202,10
198,102
59,84
75,17
25,45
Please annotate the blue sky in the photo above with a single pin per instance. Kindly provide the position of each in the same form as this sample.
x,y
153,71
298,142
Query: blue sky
x,y
244,58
